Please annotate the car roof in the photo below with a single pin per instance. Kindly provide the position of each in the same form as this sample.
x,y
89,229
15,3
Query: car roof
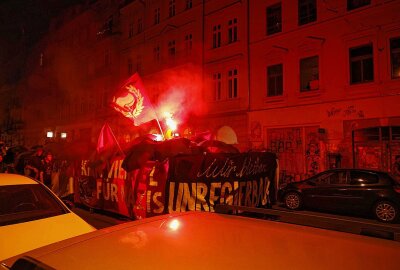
x,y
202,240
7,179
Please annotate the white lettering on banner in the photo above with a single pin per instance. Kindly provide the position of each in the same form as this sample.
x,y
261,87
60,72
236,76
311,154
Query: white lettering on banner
x,y
193,197
248,168
116,170
85,169
109,191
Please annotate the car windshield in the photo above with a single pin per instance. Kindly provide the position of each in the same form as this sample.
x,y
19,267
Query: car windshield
x,y
22,203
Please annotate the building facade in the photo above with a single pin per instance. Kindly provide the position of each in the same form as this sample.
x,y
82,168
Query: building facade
x,y
325,83
317,82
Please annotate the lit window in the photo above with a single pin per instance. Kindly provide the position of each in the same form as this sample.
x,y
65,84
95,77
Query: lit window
x,y
395,57
307,10
232,31
361,64
309,74
274,19
232,83
217,36
275,80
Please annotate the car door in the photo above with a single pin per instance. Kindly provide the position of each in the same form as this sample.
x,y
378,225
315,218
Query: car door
x,y
359,193
321,195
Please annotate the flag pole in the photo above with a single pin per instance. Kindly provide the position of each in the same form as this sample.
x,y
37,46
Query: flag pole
x,y
119,147
158,122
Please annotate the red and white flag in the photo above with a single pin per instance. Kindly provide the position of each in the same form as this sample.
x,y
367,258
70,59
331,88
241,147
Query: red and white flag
x,y
132,101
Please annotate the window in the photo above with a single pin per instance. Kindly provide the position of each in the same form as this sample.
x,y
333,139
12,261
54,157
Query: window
x,y
139,67
309,74
156,52
338,178
275,80
41,59
232,31
140,25
157,16
171,8
274,19
323,179
217,86
217,36
171,48
189,4
361,64
307,10
22,203
395,57
130,66
353,4
130,32
360,178
107,57
232,83
188,43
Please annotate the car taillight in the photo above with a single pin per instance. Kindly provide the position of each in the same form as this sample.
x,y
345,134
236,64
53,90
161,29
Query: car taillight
x,y
397,188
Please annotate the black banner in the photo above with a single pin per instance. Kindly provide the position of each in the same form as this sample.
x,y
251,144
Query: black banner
x,y
199,182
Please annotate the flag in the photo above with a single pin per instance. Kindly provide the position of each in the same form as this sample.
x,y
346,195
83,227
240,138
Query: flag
x,y
106,141
132,101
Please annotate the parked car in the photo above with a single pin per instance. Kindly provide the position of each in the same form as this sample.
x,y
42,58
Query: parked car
x,y
203,240
31,216
352,191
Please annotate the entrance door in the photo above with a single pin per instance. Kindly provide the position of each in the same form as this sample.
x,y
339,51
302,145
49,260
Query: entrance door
x,y
376,148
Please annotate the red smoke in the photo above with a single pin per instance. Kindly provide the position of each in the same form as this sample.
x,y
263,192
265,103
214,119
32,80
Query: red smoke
x,y
180,94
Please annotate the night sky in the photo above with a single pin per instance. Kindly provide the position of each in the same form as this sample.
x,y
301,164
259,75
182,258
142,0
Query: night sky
x,y
24,22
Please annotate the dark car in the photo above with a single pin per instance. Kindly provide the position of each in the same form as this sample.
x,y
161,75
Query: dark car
x,y
350,191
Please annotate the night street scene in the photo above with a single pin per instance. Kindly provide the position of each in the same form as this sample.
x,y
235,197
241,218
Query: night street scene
x,y
199,134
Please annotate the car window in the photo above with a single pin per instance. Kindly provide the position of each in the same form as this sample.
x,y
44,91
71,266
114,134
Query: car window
x,y
359,178
338,178
21,203
323,179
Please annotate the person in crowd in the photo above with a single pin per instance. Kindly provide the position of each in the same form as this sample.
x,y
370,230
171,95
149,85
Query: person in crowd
x,y
3,166
47,169
33,165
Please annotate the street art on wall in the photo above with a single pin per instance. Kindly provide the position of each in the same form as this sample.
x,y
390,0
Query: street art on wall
x,y
349,111
300,152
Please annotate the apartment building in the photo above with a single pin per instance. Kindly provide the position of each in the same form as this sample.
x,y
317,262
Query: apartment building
x,y
324,83
316,81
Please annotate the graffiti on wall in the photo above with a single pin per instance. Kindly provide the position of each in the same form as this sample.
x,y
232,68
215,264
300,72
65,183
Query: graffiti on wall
x,y
255,131
349,111
300,152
